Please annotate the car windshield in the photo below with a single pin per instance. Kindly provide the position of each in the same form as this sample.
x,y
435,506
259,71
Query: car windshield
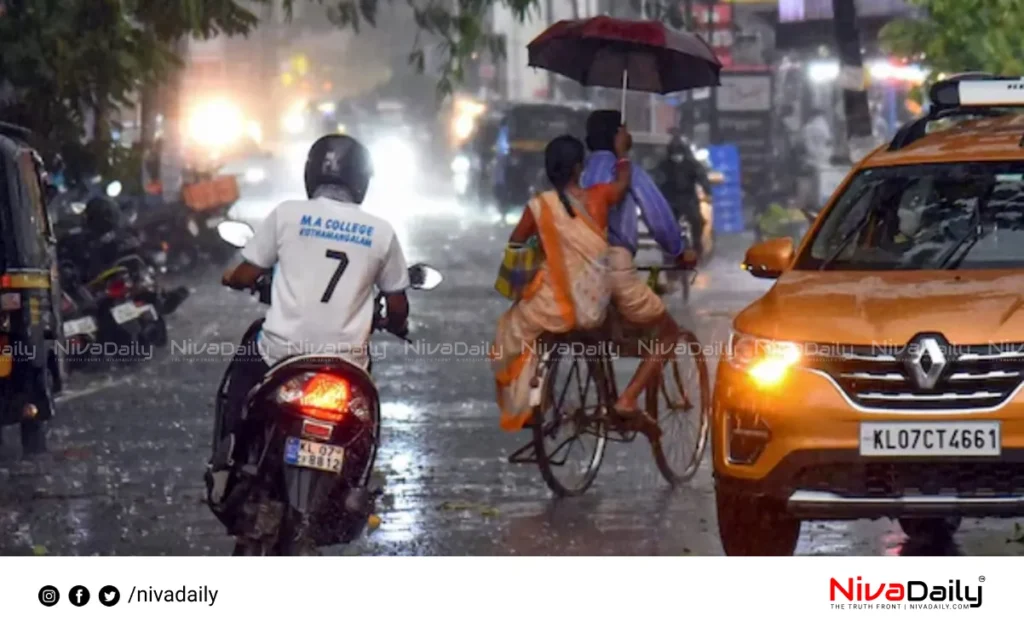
x,y
949,215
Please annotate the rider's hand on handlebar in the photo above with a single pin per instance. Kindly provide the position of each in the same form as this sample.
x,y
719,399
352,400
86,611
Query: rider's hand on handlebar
x,y
688,259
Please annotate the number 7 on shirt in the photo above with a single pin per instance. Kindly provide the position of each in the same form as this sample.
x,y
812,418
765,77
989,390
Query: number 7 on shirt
x,y
342,265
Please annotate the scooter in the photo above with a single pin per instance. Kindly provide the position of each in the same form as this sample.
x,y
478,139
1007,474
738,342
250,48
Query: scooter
x,y
305,482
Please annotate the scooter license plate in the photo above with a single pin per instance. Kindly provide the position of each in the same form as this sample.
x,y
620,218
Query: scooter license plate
x,y
125,312
306,454
85,325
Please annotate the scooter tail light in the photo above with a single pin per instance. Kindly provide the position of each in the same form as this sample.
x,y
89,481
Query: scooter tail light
x,y
317,396
117,289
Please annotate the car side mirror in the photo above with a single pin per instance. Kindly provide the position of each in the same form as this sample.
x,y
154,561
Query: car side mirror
x,y
770,258
424,277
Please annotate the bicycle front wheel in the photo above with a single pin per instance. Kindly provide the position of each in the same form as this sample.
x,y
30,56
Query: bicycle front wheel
x,y
568,426
681,405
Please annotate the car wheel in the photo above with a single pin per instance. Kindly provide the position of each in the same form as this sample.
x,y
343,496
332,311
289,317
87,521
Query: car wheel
x,y
751,525
930,529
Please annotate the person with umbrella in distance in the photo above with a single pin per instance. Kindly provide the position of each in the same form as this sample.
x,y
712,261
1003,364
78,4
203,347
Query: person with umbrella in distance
x,y
637,303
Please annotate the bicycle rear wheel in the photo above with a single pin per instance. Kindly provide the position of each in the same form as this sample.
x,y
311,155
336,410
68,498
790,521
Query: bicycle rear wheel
x,y
681,405
568,427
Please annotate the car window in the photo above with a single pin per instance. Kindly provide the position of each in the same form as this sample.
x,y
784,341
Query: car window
x,y
967,215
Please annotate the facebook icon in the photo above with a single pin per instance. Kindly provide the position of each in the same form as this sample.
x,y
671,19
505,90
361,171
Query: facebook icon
x,y
79,596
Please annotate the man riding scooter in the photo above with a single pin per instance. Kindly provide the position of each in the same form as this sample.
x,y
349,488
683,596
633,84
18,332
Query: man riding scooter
x,y
322,287
681,173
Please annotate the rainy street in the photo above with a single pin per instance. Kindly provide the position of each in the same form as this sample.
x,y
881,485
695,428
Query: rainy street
x,y
124,474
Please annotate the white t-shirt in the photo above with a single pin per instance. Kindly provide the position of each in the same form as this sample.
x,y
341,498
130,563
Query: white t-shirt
x,y
327,257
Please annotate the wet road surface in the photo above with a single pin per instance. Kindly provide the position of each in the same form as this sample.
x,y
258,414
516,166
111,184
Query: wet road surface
x,y
124,475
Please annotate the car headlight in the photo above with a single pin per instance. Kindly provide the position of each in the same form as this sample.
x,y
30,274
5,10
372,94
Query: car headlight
x,y
461,164
766,361
216,124
255,175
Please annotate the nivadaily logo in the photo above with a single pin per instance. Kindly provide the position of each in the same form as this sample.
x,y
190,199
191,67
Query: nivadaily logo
x,y
910,594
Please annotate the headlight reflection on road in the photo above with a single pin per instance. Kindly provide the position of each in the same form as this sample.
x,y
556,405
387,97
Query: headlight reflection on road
x,y
461,164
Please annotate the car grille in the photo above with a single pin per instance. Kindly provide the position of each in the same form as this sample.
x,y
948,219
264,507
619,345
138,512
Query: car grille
x,y
888,479
974,377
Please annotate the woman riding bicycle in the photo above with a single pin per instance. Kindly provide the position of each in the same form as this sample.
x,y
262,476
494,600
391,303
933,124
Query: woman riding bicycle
x,y
571,223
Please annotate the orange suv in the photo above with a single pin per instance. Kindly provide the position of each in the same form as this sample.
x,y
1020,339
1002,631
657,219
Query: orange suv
x,y
881,375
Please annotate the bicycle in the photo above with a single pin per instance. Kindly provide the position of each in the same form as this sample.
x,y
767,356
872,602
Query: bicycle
x,y
593,416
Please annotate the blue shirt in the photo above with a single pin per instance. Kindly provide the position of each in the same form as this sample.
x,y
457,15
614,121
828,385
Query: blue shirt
x,y
624,220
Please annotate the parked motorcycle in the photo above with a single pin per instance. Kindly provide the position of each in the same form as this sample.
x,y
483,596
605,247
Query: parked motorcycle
x,y
306,480
128,308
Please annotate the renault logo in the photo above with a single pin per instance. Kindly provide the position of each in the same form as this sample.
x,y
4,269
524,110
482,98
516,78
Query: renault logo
x,y
925,361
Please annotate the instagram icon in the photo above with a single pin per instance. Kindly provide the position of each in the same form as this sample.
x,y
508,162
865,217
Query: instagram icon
x,y
49,596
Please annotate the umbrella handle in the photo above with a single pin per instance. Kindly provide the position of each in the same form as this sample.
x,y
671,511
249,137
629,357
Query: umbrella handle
x,y
625,83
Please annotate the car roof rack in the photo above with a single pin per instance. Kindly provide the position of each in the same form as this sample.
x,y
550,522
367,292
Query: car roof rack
x,y
965,94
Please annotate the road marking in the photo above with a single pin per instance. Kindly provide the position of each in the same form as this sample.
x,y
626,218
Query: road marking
x,y
68,396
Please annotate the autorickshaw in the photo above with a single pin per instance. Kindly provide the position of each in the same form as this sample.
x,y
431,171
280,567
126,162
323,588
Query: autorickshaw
x,y
525,130
31,367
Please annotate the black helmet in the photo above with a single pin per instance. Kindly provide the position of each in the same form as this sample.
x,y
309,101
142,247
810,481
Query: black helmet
x,y
338,159
678,144
102,215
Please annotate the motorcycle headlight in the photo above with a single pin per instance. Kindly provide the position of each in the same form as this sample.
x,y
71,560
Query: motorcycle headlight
x,y
461,164
766,361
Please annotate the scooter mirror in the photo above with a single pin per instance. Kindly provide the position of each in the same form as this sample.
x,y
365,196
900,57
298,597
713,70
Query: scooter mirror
x,y
235,233
424,277
114,189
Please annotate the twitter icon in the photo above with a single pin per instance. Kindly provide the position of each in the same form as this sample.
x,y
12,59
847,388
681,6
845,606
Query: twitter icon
x,y
109,596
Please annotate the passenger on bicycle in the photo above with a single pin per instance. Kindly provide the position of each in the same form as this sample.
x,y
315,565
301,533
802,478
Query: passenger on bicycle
x,y
636,302
571,223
